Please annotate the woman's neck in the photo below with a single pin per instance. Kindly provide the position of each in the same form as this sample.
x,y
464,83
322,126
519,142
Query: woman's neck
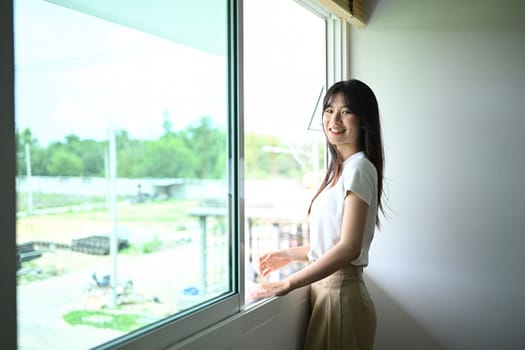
x,y
346,152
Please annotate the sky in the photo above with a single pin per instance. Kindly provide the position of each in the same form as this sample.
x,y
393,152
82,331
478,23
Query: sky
x,y
77,74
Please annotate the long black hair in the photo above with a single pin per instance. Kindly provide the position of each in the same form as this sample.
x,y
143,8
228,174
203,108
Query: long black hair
x,y
362,102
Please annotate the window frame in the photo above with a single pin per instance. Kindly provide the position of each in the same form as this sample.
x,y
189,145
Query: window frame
x,y
8,332
338,49
180,326
337,42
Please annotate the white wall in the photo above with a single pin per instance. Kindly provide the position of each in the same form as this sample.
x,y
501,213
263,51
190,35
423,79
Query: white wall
x,y
273,325
450,78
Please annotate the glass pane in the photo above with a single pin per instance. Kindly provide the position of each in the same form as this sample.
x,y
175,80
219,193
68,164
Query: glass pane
x,y
284,149
122,183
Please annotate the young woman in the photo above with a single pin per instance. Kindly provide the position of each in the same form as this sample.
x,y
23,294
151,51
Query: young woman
x,y
343,215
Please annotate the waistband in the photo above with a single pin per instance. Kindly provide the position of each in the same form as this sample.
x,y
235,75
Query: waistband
x,y
347,274
350,270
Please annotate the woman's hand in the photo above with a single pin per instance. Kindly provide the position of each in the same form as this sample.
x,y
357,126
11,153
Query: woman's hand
x,y
273,261
270,289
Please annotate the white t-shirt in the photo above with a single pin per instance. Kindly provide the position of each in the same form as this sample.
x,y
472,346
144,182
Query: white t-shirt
x,y
359,176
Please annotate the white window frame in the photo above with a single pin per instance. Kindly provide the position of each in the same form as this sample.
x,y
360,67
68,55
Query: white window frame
x,y
337,43
338,50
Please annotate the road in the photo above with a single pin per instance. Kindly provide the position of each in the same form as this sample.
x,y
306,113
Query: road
x,y
42,304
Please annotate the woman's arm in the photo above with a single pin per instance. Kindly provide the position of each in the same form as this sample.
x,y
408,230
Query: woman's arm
x,y
347,249
298,253
275,260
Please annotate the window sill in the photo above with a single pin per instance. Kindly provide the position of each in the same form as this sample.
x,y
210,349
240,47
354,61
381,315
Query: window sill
x,y
279,322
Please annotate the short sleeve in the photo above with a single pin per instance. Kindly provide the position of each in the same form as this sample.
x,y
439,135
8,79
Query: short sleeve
x,y
360,178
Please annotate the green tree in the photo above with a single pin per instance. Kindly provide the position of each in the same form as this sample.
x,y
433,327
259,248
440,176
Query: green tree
x,y
37,154
92,156
208,146
20,154
131,156
169,157
90,152
266,156
65,163
199,152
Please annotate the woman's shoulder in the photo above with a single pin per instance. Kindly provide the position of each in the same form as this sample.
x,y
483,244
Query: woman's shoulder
x,y
359,163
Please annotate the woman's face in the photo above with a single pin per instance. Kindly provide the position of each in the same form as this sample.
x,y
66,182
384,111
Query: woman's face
x,y
341,126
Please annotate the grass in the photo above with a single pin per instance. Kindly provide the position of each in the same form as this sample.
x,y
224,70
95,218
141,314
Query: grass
x,y
166,211
104,319
31,271
46,200
172,215
143,248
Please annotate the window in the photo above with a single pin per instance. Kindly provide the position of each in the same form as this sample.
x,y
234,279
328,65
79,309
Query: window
x,y
284,77
126,169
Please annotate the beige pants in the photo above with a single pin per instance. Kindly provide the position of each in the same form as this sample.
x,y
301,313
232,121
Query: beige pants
x,y
343,315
